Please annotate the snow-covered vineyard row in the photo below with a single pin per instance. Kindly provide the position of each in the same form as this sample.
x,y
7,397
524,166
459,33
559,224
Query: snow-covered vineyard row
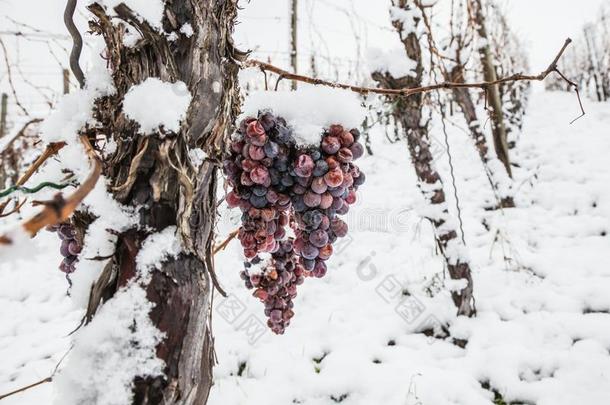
x,y
430,228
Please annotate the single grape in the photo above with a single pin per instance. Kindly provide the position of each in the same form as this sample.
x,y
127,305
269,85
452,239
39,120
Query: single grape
x,y
334,178
346,138
304,165
255,129
318,238
66,231
318,185
63,248
339,227
260,175
344,155
320,168
271,149
357,150
312,199
330,145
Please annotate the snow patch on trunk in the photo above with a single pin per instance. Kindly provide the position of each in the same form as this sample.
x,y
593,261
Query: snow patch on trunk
x,y
118,344
154,104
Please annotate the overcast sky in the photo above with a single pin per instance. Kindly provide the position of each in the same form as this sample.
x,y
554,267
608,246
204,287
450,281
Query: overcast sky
x,y
545,24
325,26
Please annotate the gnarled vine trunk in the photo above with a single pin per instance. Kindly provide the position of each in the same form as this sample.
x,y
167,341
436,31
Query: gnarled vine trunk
x,y
154,174
408,114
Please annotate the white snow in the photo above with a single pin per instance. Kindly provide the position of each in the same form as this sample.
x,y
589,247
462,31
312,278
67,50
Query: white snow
x,y
100,239
117,345
410,19
158,247
395,62
154,103
542,332
149,10
309,109
197,156
187,30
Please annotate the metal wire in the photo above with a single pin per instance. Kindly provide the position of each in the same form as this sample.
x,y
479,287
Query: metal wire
x,y
452,170
32,190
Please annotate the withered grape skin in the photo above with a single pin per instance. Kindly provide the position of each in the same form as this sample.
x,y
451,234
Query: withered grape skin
x,y
279,185
69,248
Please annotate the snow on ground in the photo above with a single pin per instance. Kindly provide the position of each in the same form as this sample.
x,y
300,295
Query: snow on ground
x,y
543,330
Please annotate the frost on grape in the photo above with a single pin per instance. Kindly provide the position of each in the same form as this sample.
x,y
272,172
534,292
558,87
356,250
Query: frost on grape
x,y
291,197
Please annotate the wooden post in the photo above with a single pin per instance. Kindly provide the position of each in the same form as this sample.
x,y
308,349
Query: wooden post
x,y
293,39
313,66
493,93
66,77
3,113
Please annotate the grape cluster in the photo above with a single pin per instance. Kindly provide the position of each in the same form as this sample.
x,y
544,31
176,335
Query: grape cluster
x,y
281,189
327,180
276,283
70,248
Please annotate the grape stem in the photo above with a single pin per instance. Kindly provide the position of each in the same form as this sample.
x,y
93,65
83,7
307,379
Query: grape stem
x,y
409,91
50,150
224,243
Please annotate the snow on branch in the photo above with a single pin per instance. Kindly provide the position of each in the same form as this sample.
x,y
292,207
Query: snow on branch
x,y
409,91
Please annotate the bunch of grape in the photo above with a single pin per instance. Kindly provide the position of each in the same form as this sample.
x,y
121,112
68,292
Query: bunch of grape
x,y
327,180
276,284
70,248
280,187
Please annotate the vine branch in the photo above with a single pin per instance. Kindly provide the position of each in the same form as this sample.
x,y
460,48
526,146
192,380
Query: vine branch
x,y
77,40
60,209
409,91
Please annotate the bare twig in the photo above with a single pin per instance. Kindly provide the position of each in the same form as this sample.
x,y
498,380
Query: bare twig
x,y
10,79
20,134
224,243
77,46
50,150
27,387
414,90
37,383
575,86
15,209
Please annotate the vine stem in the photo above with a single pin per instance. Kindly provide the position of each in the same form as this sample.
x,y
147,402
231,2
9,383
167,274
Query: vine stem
x,y
409,91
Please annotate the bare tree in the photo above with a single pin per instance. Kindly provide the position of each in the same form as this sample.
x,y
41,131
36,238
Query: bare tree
x,y
408,113
461,39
